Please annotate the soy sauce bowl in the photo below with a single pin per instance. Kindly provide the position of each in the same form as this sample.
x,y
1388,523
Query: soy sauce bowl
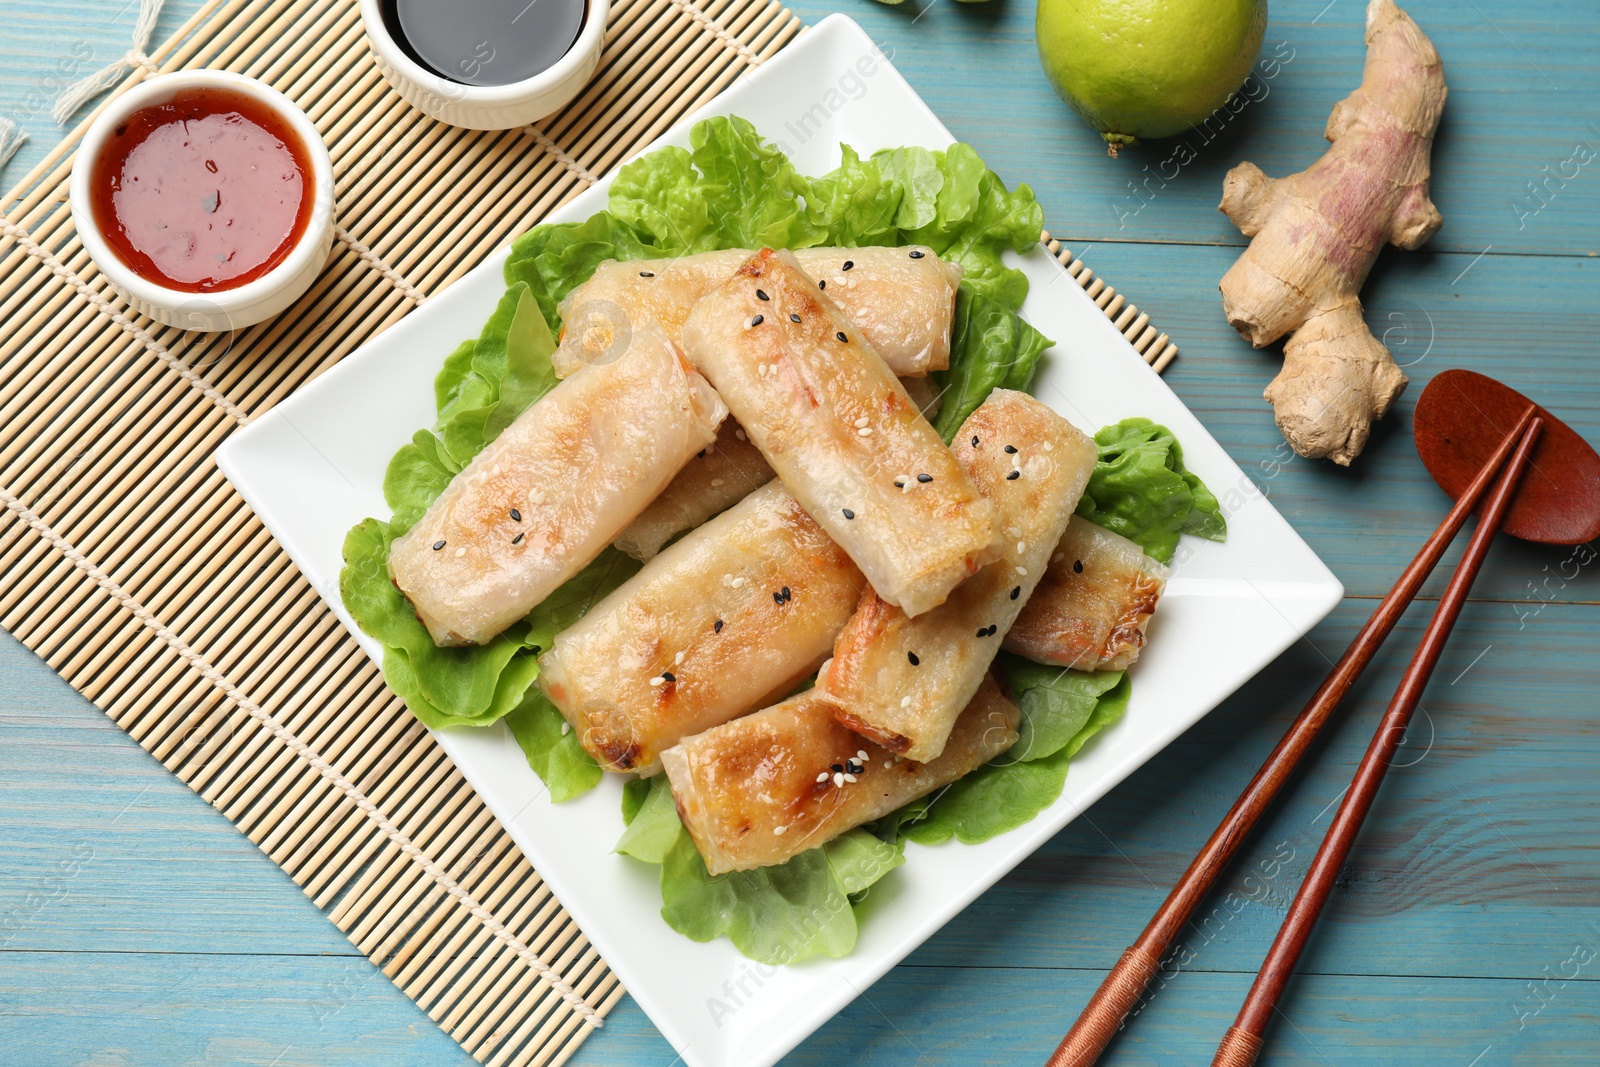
x,y
487,107
222,309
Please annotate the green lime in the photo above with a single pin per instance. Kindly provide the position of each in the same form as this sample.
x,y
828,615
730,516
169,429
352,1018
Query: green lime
x,y
1148,68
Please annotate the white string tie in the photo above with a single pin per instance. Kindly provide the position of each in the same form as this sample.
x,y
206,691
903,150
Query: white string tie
x,y
11,139
86,89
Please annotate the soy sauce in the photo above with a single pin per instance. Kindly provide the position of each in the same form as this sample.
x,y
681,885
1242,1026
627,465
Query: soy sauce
x,y
485,42
205,192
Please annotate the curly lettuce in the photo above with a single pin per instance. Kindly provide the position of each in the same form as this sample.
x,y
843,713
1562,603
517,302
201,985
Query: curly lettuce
x,y
1141,490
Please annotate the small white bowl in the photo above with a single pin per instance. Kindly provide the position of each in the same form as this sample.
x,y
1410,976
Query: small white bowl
x,y
222,309
488,107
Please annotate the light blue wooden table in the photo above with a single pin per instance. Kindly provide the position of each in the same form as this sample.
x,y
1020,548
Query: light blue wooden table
x,y
138,927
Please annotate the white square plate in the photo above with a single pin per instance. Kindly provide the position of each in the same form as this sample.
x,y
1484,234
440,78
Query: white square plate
x,y
313,467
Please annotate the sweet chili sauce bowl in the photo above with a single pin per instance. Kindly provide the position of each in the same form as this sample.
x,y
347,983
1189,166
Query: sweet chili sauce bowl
x,y
486,107
222,308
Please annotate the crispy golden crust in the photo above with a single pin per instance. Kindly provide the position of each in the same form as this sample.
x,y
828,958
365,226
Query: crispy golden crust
x,y
841,432
1094,603
728,619
903,681
762,789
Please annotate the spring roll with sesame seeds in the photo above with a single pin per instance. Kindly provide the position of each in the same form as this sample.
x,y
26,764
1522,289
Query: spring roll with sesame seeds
x,y
726,620
765,788
1094,603
719,476
841,432
542,500
901,299
903,681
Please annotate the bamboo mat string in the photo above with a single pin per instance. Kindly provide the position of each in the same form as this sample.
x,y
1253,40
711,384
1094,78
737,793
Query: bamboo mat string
x,y
375,261
718,31
112,588
12,137
103,303
83,90
543,140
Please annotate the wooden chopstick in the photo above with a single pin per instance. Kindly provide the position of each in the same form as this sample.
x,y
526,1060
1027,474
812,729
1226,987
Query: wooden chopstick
x,y
1242,1043
1102,1017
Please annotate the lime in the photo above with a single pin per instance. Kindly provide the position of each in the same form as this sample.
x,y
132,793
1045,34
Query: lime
x,y
1148,68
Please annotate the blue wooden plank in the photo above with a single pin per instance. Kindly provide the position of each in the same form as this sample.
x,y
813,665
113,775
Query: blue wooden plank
x,y
1518,79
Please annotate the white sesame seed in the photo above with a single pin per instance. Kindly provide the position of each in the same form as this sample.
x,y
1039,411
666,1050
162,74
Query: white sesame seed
x,y
905,702
739,433
1058,557
778,830
1021,547
717,481
865,431
658,680
1048,447
460,552
823,777
887,764
861,754
566,728
1014,531
838,779
535,496
677,659
1022,571
738,582
850,778
862,421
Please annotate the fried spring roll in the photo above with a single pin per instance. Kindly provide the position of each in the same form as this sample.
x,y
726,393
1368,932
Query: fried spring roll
x,y
762,789
841,432
1091,608
559,484
728,619
903,681
901,299
721,476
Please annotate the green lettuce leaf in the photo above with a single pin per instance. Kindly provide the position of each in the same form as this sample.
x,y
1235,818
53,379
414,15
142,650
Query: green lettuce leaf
x,y
780,914
551,747
1061,711
553,260
1141,489
755,196
990,348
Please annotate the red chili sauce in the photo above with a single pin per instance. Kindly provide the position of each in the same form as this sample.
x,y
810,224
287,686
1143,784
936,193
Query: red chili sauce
x,y
205,192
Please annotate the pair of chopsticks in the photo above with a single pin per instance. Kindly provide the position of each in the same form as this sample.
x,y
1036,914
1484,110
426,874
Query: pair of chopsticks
x,y
1126,982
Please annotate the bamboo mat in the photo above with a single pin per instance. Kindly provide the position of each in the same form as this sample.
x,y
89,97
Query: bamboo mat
x,y
136,572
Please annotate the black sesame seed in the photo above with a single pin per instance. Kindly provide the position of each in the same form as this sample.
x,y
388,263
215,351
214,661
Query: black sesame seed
x,y
836,768
823,284
974,442
849,514
916,254
840,335
793,317
1016,591
761,294
898,484
849,263
716,627
437,545
1011,450
666,676
1077,566
516,516
1013,476
983,631
777,598
517,540
924,478
758,320
786,594
646,274
912,656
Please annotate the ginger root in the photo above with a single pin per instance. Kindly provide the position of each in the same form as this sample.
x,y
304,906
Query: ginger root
x,y
1315,235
